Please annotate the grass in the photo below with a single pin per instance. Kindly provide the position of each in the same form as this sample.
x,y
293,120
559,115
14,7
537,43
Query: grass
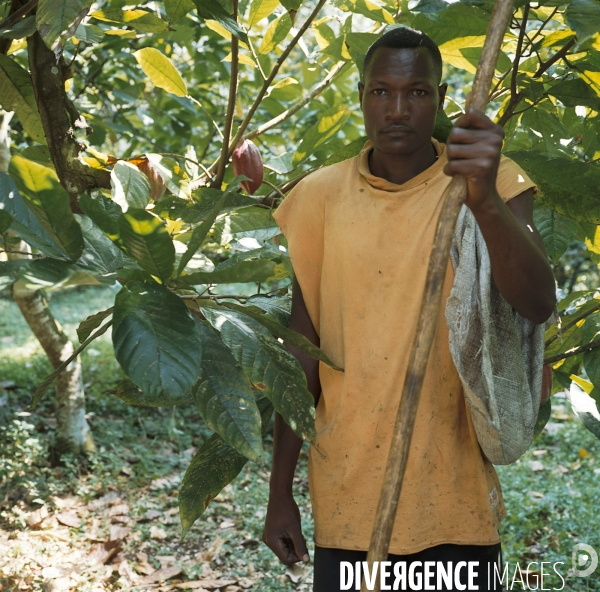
x,y
552,497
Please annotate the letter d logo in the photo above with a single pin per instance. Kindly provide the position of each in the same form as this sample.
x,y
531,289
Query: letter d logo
x,y
582,554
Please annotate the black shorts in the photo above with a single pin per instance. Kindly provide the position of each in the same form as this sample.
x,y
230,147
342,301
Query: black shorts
x,y
448,568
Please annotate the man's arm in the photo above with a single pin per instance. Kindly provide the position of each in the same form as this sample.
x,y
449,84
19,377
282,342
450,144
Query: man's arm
x,y
519,263
283,530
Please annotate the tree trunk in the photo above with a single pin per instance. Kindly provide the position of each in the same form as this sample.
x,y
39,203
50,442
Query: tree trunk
x,y
72,431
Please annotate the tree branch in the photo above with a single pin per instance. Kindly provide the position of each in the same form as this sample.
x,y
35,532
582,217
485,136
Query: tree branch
x,y
561,53
573,352
218,181
301,103
59,116
570,324
515,96
16,16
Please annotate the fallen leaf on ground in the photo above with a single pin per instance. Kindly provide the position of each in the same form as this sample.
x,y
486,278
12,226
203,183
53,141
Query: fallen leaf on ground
x,y
166,560
118,509
69,519
118,533
536,466
536,494
110,498
35,519
212,552
205,584
103,552
142,564
227,524
294,572
160,575
156,532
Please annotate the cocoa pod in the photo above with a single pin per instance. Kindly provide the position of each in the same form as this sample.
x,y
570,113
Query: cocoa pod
x,y
157,185
246,161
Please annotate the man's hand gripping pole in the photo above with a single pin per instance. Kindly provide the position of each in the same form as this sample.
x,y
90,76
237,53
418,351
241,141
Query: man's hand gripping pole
x,y
453,199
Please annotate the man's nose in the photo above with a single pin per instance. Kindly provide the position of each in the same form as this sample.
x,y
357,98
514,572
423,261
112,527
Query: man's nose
x,y
398,107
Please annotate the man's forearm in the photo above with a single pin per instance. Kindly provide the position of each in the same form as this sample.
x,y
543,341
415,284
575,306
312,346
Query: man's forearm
x,y
519,266
286,450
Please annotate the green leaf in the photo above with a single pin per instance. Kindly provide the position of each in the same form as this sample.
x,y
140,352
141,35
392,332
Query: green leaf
x,y
55,17
46,198
255,222
45,273
161,71
260,9
443,127
87,327
277,329
568,340
213,10
574,92
591,328
89,33
348,151
225,398
556,231
16,94
591,363
568,187
177,9
279,307
276,33
268,365
328,125
258,270
23,28
155,339
200,232
583,17
543,417
100,255
11,268
127,391
585,408
549,131
141,20
147,241
104,212
5,221
213,467
130,187
458,20
24,223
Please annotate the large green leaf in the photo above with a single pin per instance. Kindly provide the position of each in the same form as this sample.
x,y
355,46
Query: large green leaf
x,y
260,9
583,17
16,94
177,9
568,340
161,71
458,20
23,28
254,222
348,151
100,255
55,17
127,391
104,212
46,198
155,340
328,125
546,131
225,397
214,10
571,188
591,328
276,33
130,187
45,273
574,92
24,223
213,467
147,241
557,231
268,365
591,363
257,270
141,20
543,417
5,221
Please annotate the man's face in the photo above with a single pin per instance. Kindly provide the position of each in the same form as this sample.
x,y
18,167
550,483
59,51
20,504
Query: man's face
x,y
400,99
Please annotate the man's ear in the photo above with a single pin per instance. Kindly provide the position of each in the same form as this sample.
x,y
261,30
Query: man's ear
x,y
442,89
361,90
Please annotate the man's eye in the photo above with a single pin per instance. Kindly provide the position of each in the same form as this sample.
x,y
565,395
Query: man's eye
x,y
379,91
418,92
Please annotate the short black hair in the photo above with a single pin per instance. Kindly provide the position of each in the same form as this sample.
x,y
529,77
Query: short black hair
x,y
405,38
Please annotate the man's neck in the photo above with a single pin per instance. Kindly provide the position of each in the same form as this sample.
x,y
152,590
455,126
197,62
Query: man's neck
x,y
400,168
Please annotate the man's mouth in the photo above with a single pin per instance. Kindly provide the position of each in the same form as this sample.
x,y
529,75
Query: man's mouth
x,y
396,129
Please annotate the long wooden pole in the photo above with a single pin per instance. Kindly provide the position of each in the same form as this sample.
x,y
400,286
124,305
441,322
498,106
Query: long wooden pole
x,y
454,197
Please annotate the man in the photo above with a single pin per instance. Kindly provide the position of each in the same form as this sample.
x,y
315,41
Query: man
x,y
359,234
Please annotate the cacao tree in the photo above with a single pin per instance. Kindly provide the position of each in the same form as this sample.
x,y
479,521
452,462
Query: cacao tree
x,y
126,120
